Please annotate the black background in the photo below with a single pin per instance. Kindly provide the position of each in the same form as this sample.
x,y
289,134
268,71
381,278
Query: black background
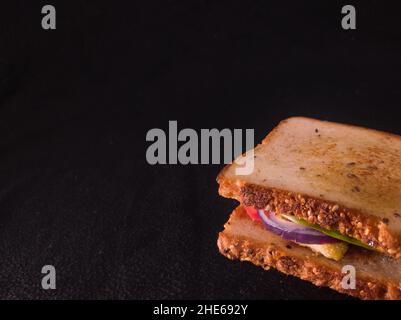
x,y
76,104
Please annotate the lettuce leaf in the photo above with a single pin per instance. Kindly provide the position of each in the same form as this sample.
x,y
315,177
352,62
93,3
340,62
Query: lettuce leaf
x,y
331,233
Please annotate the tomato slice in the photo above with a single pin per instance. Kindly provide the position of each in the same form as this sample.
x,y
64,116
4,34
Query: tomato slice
x,y
253,213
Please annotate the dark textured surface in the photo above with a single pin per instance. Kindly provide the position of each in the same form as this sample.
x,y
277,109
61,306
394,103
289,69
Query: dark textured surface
x,y
76,103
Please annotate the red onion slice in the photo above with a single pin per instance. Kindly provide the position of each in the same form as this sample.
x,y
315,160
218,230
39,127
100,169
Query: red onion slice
x,y
292,231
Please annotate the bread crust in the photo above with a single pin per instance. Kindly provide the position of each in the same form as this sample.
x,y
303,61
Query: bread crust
x,y
369,229
269,255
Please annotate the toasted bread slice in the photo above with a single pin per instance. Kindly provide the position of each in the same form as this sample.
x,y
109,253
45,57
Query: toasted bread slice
x,y
341,177
377,276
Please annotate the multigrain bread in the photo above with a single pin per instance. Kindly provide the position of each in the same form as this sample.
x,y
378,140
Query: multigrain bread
x,y
340,177
377,276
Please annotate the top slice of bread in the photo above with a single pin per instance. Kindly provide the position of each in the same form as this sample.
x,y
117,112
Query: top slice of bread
x,y
339,176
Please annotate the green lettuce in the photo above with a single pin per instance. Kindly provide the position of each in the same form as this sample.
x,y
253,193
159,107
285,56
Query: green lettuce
x,y
333,234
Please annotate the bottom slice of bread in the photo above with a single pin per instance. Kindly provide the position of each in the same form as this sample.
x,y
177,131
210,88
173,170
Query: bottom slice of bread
x,y
377,276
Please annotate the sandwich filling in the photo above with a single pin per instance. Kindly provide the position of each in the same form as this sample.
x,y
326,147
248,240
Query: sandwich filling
x,y
331,244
